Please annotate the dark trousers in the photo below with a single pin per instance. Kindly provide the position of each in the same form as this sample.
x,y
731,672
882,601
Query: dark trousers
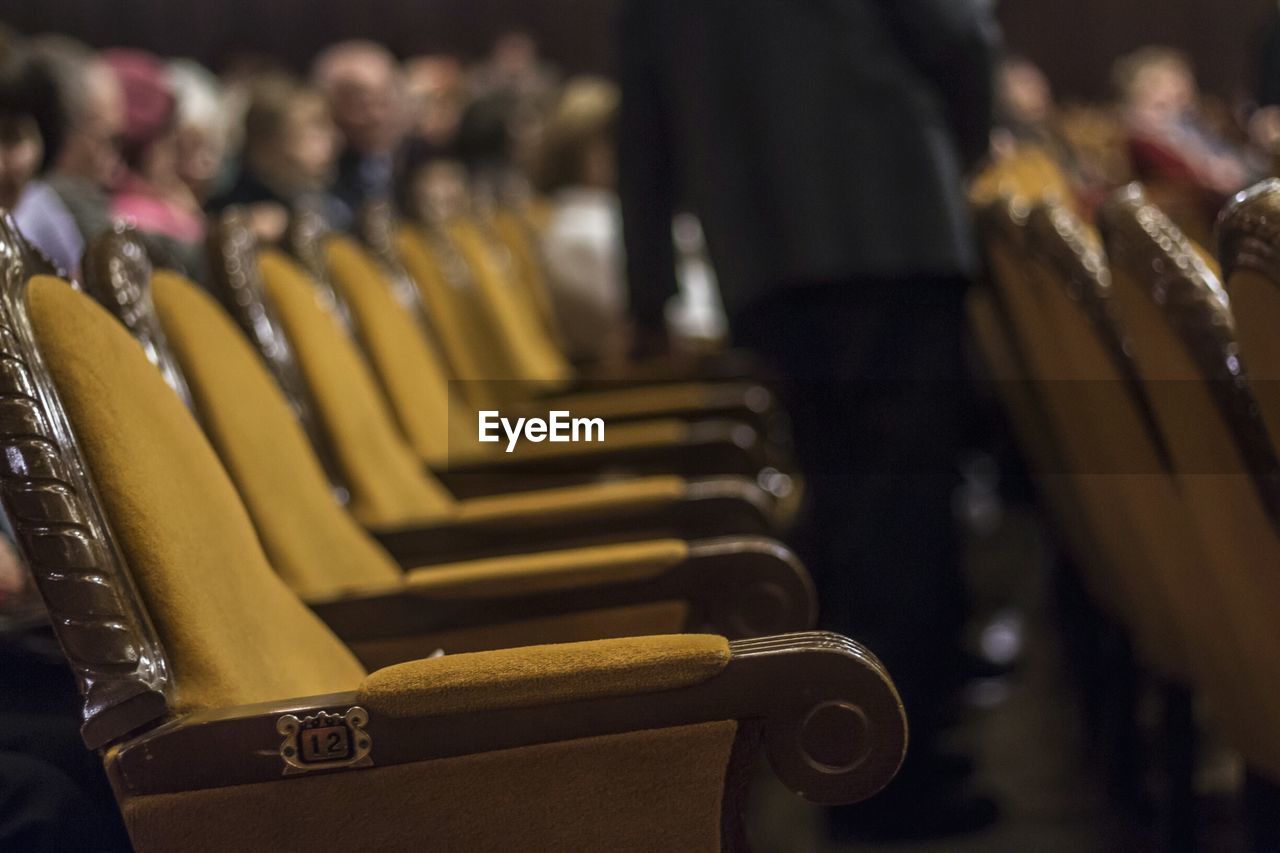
x,y
872,373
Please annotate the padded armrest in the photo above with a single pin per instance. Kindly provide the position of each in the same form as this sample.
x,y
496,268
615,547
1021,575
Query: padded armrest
x,y
519,523
831,720
543,675
548,571
738,587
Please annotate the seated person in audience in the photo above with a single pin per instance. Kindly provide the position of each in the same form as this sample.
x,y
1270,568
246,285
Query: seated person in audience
x,y
290,144
436,95
30,124
202,127
582,244
1168,139
151,195
88,164
363,85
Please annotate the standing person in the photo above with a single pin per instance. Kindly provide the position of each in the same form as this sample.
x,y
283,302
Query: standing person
x,y
823,144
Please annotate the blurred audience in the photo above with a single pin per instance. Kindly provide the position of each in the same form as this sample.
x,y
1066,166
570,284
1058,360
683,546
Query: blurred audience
x,y
582,244
365,90
151,194
85,171
289,150
31,135
1168,137
202,132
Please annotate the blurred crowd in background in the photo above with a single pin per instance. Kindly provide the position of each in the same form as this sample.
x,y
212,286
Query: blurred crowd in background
x,y
90,136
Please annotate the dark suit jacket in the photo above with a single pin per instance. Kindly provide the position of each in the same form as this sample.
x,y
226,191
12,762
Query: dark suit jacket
x,y
817,140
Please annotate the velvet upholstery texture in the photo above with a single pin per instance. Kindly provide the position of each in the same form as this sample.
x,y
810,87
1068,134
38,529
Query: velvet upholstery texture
x,y
457,318
550,571
640,792
311,541
541,675
234,632
513,317
388,485
414,379
440,424
635,620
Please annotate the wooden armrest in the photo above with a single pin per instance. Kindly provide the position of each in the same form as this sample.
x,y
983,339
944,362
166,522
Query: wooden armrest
x,y
832,721
738,587
541,521
698,449
750,403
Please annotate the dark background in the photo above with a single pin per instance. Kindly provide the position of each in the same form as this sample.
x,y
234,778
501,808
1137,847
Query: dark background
x,y
1075,40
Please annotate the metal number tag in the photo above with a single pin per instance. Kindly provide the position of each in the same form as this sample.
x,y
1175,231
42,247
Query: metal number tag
x,y
325,741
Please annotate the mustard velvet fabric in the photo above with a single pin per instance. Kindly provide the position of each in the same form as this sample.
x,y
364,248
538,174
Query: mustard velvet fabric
x,y
312,542
389,486
576,503
550,571
414,379
518,239
456,317
639,792
513,318
543,675
233,632
633,620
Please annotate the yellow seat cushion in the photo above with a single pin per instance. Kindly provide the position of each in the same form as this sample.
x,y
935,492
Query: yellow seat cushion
x,y
233,631
542,675
517,236
415,380
315,545
389,485
550,571
575,502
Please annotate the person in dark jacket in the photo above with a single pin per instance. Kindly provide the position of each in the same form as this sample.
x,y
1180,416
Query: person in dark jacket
x,y
824,146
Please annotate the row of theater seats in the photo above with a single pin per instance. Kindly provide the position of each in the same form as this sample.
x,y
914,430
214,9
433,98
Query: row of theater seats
x,y
308,610
1139,373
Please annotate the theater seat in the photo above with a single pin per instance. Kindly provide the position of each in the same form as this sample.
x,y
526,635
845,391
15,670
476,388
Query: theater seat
x,y
230,717
1185,346
646,587
442,427
471,293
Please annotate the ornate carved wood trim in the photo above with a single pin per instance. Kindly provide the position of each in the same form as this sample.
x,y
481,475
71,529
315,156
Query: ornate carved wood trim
x,y
1144,240
304,239
62,532
376,226
236,282
1058,236
1249,232
117,273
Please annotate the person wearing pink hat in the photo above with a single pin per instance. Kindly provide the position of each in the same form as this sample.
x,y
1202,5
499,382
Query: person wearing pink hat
x,y
151,195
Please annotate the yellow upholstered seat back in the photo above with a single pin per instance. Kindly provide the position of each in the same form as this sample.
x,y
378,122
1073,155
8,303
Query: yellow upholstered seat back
x,y
233,631
415,380
389,485
514,321
313,543
457,318
518,238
